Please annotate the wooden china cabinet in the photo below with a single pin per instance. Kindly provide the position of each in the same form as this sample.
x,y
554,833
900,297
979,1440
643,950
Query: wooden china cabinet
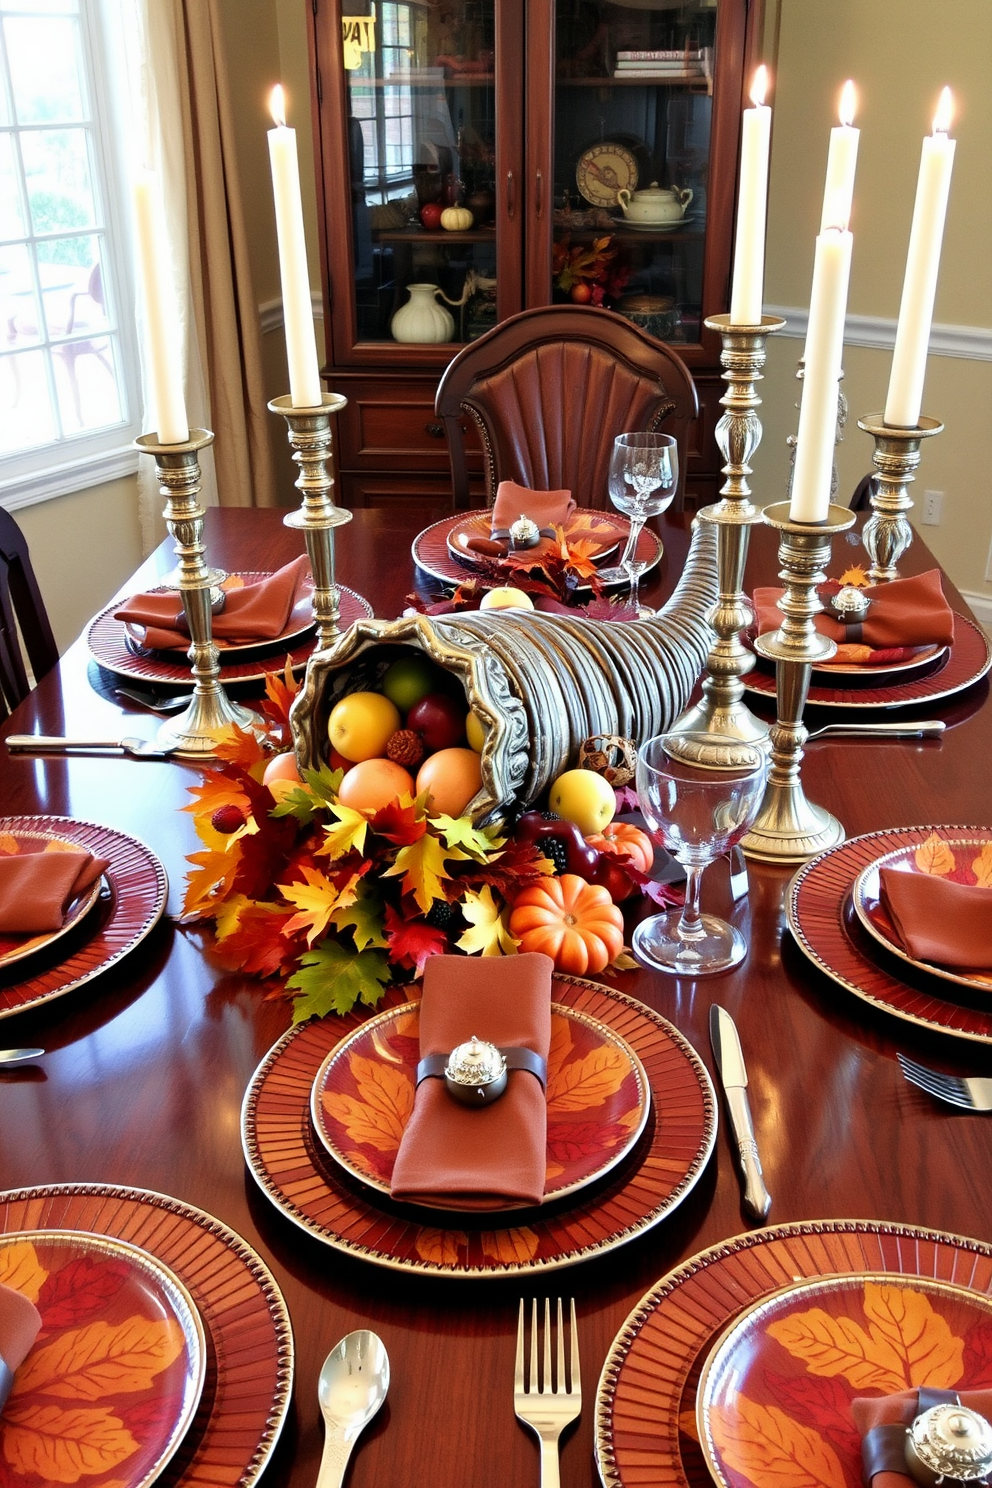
x,y
531,115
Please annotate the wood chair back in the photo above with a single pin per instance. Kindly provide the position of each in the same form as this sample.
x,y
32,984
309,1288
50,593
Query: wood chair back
x,y
21,609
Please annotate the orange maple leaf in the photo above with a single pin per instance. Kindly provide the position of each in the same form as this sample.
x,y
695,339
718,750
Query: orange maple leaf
x,y
580,556
216,789
561,1044
9,844
379,1116
62,1446
982,867
238,746
510,1246
934,857
588,1081
767,1446
211,880
21,1270
856,577
280,693
101,1360
441,1246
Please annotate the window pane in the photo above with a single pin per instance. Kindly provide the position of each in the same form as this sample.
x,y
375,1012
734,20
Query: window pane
x,y
45,70
18,305
25,412
11,215
40,7
57,167
86,380
72,286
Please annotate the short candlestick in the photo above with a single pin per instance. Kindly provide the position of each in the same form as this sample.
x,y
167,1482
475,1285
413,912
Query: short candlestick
x,y
887,533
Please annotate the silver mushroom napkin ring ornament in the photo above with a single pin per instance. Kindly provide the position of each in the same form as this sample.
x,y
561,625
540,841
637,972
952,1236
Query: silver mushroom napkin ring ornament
x,y
949,1443
522,534
475,1072
850,604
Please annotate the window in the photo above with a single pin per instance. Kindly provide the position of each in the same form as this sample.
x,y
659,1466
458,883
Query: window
x,y
67,357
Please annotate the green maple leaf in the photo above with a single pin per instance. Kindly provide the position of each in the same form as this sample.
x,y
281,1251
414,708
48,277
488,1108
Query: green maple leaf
x,y
319,792
333,977
364,920
458,832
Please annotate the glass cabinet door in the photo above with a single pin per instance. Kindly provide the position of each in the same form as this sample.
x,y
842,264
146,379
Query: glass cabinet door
x,y
631,141
422,132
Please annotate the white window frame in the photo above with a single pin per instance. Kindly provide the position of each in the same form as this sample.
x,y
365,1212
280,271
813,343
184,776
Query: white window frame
x,y
79,461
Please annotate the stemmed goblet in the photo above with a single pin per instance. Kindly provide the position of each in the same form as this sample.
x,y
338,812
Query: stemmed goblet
x,y
644,472
697,812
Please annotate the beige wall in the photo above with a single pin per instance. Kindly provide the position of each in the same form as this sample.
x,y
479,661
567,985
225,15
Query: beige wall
x,y
900,53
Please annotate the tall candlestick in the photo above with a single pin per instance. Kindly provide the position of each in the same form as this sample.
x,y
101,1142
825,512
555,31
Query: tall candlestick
x,y
842,161
824,350
909,360
749,249
301,346
165,380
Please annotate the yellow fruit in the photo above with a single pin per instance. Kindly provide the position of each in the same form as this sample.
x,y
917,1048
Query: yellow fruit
x,y
585,798
506,598
281,775
475,732
361,723
373,783
452,776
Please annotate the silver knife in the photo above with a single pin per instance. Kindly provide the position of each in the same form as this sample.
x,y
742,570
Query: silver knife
x,y
730,1062
10,1057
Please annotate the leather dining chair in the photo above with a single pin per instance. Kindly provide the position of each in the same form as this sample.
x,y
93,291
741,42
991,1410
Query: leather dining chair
x,y
549,389
22,610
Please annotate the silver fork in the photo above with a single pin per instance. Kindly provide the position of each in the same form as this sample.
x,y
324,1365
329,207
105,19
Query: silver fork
x,y
547,1411
973,1094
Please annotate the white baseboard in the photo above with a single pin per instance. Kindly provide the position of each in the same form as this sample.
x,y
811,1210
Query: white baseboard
x,y
981,604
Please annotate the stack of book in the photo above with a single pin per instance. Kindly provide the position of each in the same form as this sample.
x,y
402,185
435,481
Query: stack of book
x,y
683,66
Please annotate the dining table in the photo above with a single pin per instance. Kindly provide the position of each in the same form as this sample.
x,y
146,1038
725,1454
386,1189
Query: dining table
x,y
146,1066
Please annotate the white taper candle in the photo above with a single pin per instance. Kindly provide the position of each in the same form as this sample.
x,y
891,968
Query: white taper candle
x,y
301,346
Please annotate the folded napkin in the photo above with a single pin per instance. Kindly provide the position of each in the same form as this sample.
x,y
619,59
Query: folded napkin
x,y
905,612
546,508
20,1321
900,1411
487,1157
255,612
36,888
938,920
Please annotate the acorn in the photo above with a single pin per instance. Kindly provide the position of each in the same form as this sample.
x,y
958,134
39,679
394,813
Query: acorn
x,y
404,747
228,819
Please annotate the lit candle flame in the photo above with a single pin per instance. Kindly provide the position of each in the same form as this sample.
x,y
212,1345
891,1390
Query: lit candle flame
x,y
277,105
848,103
759,87
945,110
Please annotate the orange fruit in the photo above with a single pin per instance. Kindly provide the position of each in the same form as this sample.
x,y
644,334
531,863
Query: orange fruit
x,y
373,783
452,776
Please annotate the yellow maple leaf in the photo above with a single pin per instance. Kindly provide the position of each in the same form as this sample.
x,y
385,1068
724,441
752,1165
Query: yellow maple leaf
x,y
21,1270
767,1446
982,867
561,1043
856,577
211,878
379,1116
101,1359
488,933
315,900
229,915
213,791
422,867
510,1247
441,1246
59,845
62,1446
9,844
349,833
904,1317
588,1081
934,856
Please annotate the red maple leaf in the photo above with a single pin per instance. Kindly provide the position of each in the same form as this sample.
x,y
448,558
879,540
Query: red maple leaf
x,y
79,1291
570,1140
264,855
257,945
978,1359
516,866
412,942
820,1401
280,693
241,748
398,824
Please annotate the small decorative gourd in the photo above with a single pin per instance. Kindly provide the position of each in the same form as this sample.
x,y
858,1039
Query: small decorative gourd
x,y
456,219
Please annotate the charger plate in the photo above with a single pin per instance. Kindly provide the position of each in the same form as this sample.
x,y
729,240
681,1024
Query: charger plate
x,y
611,530
592,1123
128,909
646,1400
16,947
291,1168
827,930
955,858
108,644
771,1393
430,548
121,1344
249,1378
965,662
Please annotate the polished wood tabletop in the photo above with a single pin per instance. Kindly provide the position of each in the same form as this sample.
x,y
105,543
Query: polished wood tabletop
x,y
147,1066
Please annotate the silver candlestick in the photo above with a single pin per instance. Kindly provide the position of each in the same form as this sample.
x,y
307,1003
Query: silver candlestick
x,y
887,533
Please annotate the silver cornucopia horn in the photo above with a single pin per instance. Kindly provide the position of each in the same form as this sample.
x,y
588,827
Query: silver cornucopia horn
x,y
540,684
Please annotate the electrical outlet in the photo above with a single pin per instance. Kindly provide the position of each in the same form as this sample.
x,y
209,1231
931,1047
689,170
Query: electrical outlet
x,y
931,508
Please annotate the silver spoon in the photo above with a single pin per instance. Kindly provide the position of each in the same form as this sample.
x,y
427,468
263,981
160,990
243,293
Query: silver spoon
x,y
926,728
352,1387
58,744
11,1057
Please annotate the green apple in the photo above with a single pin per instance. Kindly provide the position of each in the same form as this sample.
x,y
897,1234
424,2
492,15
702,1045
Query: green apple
x,y
408,680
360,725
585,798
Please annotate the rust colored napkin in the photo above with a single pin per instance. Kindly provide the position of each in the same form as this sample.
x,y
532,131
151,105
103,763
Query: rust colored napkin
x,y
36,888
905,612
546,508
936,920
20,1321
900,1411
486,1158
256,612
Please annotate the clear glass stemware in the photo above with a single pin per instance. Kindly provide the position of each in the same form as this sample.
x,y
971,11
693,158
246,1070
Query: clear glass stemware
x,y
644,472
696,812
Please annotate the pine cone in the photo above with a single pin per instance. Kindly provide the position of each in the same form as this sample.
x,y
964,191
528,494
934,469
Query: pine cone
x,y
404,747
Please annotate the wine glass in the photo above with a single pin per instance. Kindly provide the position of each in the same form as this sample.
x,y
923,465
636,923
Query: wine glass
x,y
696,811
644,472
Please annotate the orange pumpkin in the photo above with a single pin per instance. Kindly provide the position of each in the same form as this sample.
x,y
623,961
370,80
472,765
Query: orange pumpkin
x,y
574,922
629,841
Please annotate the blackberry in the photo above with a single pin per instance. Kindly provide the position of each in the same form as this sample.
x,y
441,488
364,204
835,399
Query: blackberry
x,y
555,848
550,816
442,915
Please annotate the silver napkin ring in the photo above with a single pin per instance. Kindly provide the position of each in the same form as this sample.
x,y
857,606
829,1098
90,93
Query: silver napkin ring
x,y
475,1072
949,1441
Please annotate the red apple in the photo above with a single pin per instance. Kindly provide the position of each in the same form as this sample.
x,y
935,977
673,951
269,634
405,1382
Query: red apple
x,y
430,215
439,720
580,293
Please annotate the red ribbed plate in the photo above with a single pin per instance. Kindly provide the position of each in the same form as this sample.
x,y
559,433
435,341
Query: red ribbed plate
x,y
430,547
